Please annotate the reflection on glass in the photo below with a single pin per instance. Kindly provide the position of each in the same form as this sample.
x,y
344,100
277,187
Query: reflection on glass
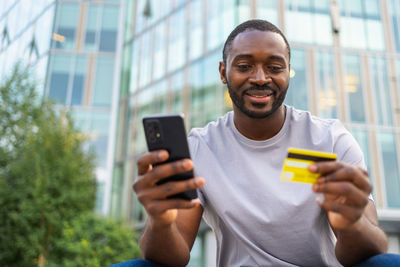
x,y
196,29
362,138
177,89
59,78
390,168
103,81
363,26
313,17
177,40
354,88
78,84
67,25
100,122
326,85
297,94
214,36
381,91
108,33
394,9
92,20
159,51
267,10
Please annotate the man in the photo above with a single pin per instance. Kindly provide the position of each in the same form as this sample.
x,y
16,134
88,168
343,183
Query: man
x,y
258,219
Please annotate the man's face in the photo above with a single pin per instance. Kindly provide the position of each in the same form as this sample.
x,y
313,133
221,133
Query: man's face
x,y
257,72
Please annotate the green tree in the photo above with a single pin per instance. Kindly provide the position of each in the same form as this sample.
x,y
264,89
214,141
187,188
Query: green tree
x,y
46,179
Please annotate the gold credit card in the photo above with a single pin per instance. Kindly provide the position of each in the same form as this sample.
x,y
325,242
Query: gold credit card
x,y
295,167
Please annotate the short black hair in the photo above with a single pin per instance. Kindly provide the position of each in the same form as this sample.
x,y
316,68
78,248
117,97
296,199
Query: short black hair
x,y
253,24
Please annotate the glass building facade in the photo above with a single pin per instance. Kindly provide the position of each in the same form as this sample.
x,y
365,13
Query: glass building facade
x,y
74,47
345,64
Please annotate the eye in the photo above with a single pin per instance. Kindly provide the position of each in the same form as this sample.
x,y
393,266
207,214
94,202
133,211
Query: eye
x,y
243,67
275,69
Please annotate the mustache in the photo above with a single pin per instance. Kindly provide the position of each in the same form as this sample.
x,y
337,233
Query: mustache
x,y
259,88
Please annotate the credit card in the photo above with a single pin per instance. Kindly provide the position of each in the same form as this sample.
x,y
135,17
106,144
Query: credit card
x,y
295,167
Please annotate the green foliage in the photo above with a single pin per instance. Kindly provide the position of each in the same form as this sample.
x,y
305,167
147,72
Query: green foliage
x,y
46,184
93,241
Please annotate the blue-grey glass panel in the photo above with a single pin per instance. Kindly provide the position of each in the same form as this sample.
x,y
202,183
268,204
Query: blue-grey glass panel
x,y
67,24
108,33
297,94
196,29
268,10
326,85
314,20
59,87
354,88
177,40
108,39
92,25
394,8
77,89
381,91
390,168
103,81
214,24
362,138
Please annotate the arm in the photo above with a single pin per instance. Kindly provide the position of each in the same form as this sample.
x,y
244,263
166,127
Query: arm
x,y
351,214
172,223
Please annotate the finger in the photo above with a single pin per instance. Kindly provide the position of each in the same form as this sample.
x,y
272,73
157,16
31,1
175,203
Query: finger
x,y
349,212
168,169
325,167
144,162
158,207
349,173
345,190
172,188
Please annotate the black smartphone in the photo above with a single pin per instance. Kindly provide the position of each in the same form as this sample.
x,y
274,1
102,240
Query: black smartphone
x,y
168,132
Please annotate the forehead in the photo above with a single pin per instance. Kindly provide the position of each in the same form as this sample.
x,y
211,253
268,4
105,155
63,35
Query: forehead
x,y
255,42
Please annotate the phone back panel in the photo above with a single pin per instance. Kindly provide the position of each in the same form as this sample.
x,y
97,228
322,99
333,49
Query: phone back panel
x,y
168,132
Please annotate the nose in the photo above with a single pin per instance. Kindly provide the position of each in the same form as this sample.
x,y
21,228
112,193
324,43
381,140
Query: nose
x,y
259,76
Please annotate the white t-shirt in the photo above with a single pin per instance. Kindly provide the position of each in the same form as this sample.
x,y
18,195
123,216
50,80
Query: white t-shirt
x,y
258,219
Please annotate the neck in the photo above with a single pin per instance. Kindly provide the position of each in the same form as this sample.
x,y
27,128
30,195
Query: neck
x,y
259,129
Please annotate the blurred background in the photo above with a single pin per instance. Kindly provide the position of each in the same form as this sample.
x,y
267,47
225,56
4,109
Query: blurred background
x,y
108,63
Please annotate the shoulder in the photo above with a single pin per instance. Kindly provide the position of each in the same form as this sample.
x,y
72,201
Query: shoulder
x,y
210,133
312,122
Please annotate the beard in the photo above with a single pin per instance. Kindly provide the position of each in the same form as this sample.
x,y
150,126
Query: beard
x,y
238,101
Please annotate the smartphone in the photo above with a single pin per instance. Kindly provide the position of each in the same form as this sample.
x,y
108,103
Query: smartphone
x,y
168,132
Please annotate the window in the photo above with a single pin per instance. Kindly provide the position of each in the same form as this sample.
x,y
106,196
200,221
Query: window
x,y
394,9
177,40
92,20
100,122
108,33
297,94
361,136
390,163
381,91
103,85
159,51
196,29
59,78
313,17
214,36
267,9
326,85
361,25
177,89
67,25
354,88
78,85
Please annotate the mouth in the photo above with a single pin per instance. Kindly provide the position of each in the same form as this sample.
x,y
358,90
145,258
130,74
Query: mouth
x,y
260,96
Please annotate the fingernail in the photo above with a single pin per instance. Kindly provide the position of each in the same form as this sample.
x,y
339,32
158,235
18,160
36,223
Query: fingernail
x,y
187,163
318,200
312,168
315,187
162,155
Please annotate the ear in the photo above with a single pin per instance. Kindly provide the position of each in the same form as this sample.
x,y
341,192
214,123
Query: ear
x,y
222,72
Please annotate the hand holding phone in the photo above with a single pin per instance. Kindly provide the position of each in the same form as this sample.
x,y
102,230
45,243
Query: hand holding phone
x,y
168,132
